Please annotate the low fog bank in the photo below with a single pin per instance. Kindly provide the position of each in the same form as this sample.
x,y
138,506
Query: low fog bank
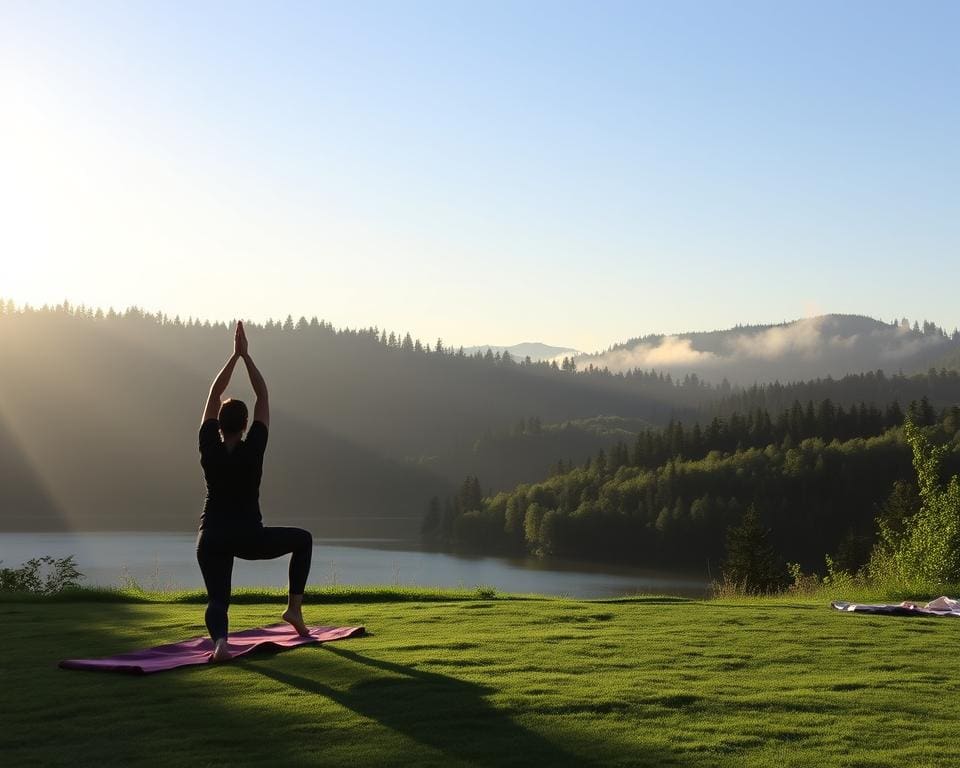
x,y
828,345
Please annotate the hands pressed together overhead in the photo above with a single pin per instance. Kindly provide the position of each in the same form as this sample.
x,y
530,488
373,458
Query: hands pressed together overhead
x,y
261,411
240,341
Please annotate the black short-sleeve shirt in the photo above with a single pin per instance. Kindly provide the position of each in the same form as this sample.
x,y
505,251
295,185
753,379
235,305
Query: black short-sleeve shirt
x,y
233,477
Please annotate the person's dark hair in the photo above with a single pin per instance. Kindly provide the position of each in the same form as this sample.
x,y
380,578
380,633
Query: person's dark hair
x,y
233,416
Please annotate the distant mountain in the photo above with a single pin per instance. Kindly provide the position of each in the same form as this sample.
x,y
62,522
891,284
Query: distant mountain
x,y
532,349
815,347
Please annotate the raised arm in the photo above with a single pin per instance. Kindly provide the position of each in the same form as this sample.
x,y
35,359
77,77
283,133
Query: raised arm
x,y
219,386
261,409
212,409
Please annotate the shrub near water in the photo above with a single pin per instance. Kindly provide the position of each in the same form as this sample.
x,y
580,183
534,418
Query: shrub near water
x,y
41,575
928,552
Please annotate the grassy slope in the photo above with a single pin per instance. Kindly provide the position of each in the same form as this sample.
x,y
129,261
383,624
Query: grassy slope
x,y
492,682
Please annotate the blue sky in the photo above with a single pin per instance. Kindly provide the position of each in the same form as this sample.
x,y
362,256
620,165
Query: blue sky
x,y
486,172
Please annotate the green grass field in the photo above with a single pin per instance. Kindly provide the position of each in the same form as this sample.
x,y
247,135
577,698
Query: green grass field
x,y
487,682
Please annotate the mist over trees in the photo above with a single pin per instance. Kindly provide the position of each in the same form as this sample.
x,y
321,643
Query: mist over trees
x,y
816,347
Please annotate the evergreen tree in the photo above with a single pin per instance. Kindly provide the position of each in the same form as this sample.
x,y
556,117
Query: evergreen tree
x,y
447,520
922,413
431,521
900,506
470,497
751,561
853,552
600,463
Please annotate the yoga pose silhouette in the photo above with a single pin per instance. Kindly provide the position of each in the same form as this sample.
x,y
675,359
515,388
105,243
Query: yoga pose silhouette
x,y
231,524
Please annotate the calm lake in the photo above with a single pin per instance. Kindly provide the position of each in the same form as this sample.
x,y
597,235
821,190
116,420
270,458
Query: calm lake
x,y
163,561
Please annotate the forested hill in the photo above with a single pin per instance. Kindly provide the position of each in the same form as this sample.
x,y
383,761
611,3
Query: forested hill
x,y
817,347
827,408
940,387
817,475
950,361
98,416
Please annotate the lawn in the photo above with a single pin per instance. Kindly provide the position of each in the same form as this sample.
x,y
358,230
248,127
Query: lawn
x,y
488,682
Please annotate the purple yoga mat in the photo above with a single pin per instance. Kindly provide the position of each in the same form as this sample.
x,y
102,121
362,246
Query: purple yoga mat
x,y
197,650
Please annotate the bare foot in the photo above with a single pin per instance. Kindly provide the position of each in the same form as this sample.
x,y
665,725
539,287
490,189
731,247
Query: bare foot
x,y
295,619
220,651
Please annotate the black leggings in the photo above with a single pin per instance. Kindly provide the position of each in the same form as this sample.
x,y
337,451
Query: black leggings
x,y
215,553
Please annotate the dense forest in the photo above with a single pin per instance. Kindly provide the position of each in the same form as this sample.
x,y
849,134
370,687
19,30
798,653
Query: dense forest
x,y
818,476
531,449
940,386
99,411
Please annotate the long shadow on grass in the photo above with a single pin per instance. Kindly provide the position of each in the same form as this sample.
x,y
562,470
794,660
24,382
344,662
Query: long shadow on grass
x,y
435,710
218,715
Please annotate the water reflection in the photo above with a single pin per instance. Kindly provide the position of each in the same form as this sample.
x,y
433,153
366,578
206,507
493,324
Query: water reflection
x,y
166,561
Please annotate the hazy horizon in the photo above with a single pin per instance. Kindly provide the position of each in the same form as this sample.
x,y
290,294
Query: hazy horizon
x,y
603,352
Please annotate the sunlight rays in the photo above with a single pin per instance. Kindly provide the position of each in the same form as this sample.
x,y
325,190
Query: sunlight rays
x,y
52,498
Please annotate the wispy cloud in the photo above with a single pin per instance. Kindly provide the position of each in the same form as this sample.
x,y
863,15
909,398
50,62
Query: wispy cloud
x,y
824,344
670,352
804,337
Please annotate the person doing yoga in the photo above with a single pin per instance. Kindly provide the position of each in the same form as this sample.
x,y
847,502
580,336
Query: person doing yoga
x,y
231,524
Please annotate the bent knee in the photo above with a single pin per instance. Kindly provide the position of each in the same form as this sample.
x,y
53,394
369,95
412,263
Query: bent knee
x,y
306,539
